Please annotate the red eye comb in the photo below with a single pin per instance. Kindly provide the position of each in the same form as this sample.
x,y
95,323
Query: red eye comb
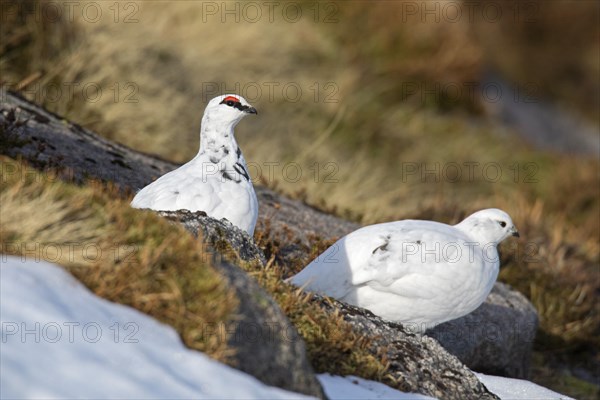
x,y
231,98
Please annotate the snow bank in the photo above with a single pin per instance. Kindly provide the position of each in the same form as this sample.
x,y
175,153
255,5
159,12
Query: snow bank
x,y
61,341
518,389
354,388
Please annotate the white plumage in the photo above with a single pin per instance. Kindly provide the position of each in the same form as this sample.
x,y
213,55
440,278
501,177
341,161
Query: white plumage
x,y
419,273
216,181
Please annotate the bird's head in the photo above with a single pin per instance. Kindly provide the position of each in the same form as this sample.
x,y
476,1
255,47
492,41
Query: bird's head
x,y
227,109
489,226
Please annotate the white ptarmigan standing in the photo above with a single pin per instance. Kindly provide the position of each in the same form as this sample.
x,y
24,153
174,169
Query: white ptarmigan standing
x,y
216,181
419,273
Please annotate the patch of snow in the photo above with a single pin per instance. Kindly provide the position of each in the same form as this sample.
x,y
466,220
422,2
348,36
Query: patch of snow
x,y
354,388
61,341
518,389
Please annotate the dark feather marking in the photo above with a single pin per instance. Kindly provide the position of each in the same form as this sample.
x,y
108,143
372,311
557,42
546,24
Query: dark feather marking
x,y
238,167
384,246
238,152
227,177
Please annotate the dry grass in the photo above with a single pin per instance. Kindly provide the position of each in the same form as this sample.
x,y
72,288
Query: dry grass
x,y
125,255
353,153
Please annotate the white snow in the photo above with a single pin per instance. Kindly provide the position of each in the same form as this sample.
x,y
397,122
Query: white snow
x,y
354,388
517,389
61,341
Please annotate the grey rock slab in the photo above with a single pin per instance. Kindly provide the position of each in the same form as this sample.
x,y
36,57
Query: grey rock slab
x,y
497,338
217,233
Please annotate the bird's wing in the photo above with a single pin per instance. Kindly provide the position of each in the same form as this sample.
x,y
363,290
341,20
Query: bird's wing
x,y
327,274
410,258
356,259
392,256
403,256
177,190
188,188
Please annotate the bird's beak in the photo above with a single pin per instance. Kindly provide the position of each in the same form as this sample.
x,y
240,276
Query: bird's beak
x,y
514,232
250,110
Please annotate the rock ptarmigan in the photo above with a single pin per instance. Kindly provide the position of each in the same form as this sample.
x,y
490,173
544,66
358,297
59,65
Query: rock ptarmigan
x,y
418,273
216,181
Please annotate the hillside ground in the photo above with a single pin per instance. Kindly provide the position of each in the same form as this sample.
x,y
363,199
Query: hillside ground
x,y
370,110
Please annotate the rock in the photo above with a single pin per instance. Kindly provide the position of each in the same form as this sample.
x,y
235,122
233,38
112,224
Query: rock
x,y
418,364
495,339
267,345
218,233
46,140
286,219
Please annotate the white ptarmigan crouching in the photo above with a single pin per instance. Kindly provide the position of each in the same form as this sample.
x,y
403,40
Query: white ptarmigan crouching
x,y
216,181
419,273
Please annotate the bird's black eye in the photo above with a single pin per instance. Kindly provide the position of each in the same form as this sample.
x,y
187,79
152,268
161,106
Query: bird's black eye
x,y
230,103
502,224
